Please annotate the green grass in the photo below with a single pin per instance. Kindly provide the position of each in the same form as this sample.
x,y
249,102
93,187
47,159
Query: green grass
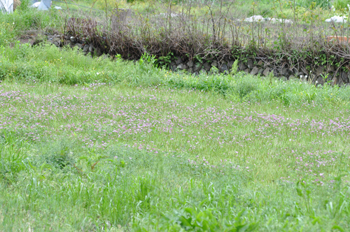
x,y
93,144
50,64
22,20
52,184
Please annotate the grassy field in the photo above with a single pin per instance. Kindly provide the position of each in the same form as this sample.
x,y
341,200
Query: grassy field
x,y
94,144
117,146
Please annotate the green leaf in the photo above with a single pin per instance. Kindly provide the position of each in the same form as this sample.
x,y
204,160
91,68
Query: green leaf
x,y
336,227
299,192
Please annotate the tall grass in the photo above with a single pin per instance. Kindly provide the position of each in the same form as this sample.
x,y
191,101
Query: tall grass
x,y
28,19
50,64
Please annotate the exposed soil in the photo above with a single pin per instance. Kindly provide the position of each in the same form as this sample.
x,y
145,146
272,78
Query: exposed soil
x,y
30,36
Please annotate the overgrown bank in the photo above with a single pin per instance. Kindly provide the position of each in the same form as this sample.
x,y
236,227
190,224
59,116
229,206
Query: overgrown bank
x,y
316,67
66,66
215,41
198,44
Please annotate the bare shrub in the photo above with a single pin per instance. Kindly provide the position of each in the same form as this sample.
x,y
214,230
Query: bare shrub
x,y
214,34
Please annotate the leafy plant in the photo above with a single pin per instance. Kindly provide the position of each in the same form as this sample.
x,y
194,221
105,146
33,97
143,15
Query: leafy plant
x,y
199,220
61,158
164,61
234,68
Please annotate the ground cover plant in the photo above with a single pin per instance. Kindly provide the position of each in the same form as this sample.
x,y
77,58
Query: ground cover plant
x,y
144,149
105,144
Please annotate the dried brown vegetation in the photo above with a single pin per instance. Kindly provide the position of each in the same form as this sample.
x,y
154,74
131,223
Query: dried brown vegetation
x,y
217,35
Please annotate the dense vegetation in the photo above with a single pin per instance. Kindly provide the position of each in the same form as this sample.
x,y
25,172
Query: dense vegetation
x,y
101,144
